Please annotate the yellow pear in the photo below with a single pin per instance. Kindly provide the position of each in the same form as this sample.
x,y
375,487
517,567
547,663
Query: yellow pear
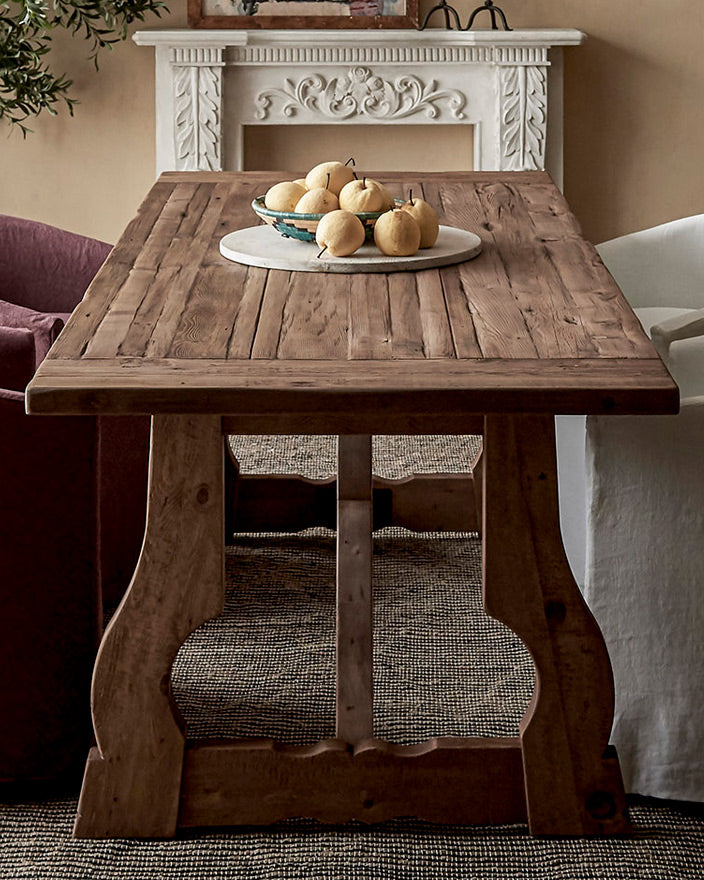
x,y
362,197
317,201
339,175
425,217
283,196
389,200
341,232
301,181
397,234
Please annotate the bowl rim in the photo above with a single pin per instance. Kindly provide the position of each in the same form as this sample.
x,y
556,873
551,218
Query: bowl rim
x,y
259,208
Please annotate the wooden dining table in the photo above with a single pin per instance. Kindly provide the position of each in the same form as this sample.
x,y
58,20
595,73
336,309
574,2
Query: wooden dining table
x,y
533,327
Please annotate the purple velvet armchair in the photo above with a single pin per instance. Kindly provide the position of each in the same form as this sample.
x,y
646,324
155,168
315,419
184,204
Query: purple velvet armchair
x,y
72,505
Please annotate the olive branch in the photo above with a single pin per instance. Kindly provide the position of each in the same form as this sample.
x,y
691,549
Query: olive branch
x,y
28,85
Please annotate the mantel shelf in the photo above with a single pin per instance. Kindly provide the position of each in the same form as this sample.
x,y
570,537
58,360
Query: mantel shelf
x,y
546,37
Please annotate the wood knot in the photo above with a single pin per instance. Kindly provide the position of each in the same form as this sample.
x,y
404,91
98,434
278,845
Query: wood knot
x,y
203,495
555,612
601,805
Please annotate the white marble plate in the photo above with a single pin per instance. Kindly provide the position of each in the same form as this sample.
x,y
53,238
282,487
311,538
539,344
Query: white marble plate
x,y
264,247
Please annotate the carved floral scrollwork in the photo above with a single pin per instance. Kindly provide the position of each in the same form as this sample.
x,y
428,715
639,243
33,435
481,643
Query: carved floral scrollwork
x,y
360,92
197,103
523,117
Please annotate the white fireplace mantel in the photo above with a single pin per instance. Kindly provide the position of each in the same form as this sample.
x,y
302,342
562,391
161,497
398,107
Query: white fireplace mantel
x,y
212,83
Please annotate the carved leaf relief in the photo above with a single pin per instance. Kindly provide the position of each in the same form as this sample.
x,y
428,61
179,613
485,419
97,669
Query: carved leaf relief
x,y
523,117
359,92
184,128
197,118
209,119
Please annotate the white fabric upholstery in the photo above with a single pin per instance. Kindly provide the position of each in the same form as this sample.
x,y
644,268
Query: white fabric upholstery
x,y
632,511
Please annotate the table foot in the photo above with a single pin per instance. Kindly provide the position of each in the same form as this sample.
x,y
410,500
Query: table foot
x,y
573,781
133,778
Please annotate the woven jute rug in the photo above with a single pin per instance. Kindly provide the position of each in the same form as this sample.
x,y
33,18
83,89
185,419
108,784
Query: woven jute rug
x,y
266,668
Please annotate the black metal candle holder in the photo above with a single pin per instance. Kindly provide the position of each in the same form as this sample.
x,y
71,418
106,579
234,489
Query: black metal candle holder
x,y
450,11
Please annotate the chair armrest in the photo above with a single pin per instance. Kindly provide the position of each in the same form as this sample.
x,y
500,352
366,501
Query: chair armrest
x,y
685,326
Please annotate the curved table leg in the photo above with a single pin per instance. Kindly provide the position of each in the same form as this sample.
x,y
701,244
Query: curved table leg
x,y
572,777
133,778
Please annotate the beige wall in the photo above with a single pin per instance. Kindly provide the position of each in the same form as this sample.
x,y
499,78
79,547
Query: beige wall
x,y
634,129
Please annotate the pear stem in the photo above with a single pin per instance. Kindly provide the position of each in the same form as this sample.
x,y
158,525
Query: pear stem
x,y
410,196
327,182
321,252
350,160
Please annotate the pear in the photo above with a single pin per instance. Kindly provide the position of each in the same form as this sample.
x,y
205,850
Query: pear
x,y
425,217
301,181
340,232
362,196
283,196
389,200
317,201
397,234
339,175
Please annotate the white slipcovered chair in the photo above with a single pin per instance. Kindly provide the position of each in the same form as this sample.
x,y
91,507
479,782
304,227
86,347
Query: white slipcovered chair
x,y
632,510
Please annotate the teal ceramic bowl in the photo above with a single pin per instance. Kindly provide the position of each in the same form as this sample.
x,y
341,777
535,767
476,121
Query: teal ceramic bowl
x,y
304,226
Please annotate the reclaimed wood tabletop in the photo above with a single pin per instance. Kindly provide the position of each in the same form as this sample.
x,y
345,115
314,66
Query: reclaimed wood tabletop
x,y
534,324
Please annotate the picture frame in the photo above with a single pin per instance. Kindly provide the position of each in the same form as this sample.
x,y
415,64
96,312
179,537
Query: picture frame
x,y
303,14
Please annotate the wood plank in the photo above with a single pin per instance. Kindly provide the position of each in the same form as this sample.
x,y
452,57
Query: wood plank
x,y
166,225
498,320
374,389
614,329
549,311
108,336
289,503
133,779
573,786
354,692
406,323
208,320
236,212
448,779
314,322
434,318
247,315
90,311
369,335
271,315
462,330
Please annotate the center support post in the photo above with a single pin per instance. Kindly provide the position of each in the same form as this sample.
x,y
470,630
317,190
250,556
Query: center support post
x,y
354,701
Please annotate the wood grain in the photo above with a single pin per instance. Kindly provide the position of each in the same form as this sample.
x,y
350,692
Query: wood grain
x,y
354,693
289,503
133,778
573,785
448,779
430,391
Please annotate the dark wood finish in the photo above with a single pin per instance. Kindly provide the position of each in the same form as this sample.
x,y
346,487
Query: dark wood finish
x,y
573,786
447,779
133,779
197,19
286,503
